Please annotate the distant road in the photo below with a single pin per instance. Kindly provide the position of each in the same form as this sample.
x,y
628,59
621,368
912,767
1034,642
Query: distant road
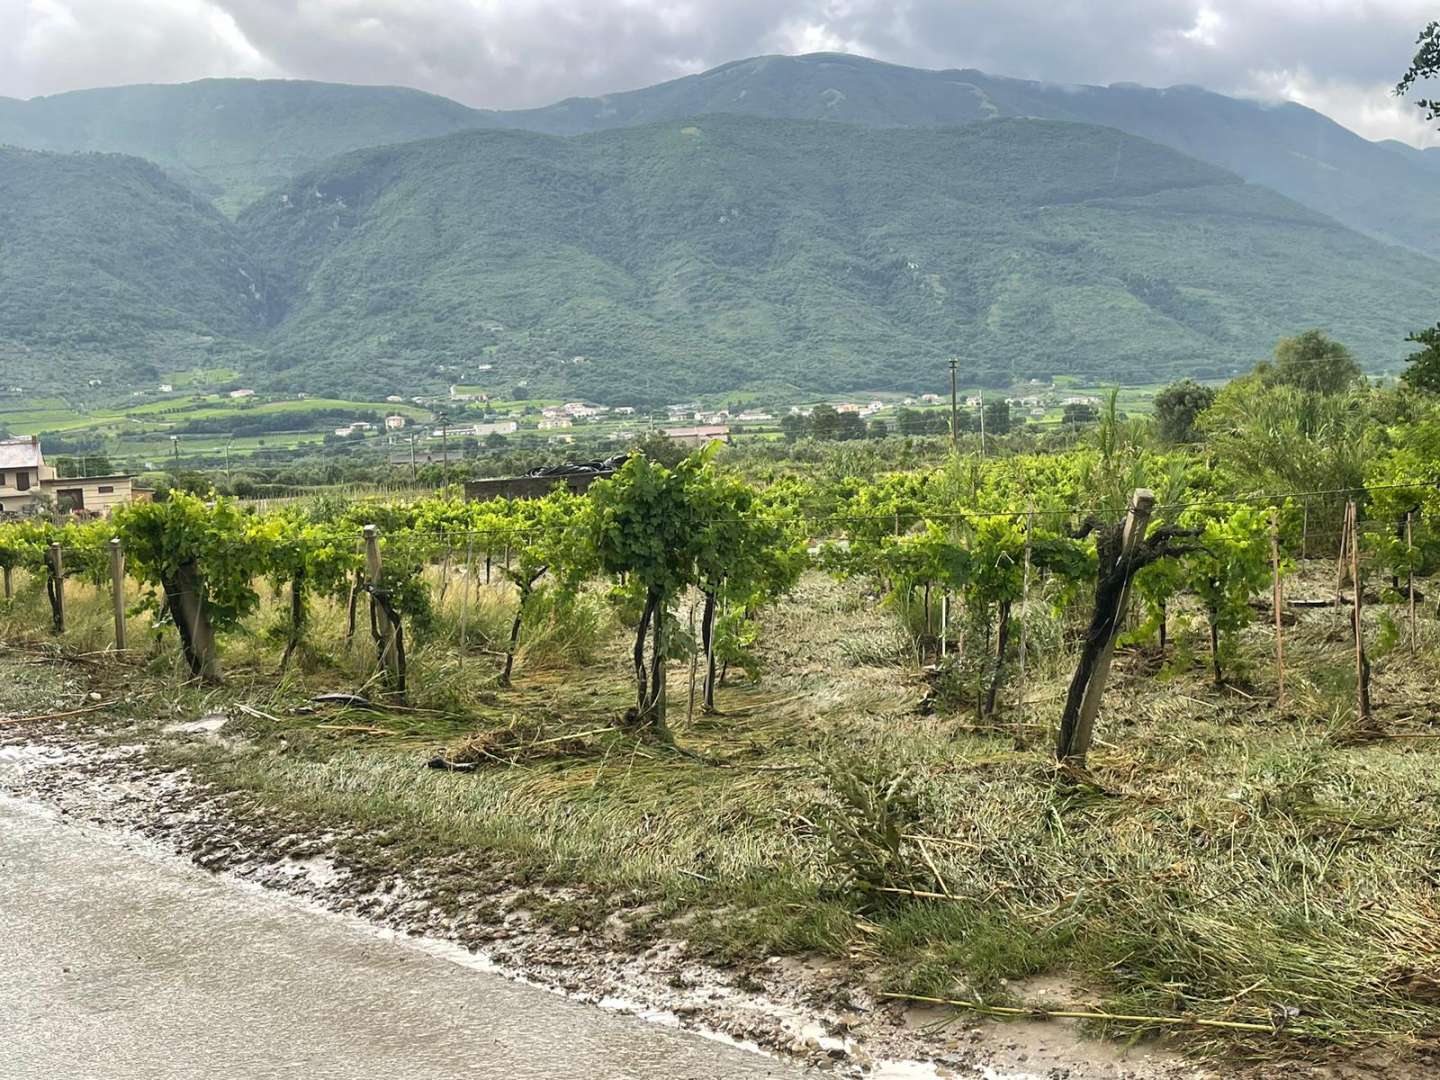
x,y
117,963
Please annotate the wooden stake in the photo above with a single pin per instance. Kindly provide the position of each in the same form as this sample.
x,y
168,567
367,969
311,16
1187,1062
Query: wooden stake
x,y
117,590
55,586
389,657
1340,565
944,622
1025,591
9,585
465,595
1279,600
694,666
1304,528
1410,572
1362,665
444,576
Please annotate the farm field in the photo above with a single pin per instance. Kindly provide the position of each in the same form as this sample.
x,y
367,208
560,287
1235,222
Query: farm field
x,y
773,723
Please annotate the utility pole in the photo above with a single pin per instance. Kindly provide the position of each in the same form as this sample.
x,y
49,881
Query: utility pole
x,y
982,423
412,457
444,445
954,408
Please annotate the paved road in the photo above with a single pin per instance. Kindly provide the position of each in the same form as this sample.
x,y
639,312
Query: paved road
x,y
117,963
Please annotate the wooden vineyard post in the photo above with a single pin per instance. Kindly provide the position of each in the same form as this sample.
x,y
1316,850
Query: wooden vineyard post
x,y
944,622
386,629
117,590
1410,573
1025,592
55,587
9,585
1340,565
465,595
1304,529
694,667
1362,665
445,576
1278,597
1077,725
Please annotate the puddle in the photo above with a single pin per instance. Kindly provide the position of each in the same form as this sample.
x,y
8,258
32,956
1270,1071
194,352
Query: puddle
x,y
207,724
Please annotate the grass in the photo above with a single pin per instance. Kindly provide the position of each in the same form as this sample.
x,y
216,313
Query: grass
x,y
1219,860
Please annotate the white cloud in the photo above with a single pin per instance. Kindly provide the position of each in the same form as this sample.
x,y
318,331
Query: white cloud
x,y
1339,56
49,46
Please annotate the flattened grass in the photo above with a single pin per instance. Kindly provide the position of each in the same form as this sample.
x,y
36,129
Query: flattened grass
x,y
1220,860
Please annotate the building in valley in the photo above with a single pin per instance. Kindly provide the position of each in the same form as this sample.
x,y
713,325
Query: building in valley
x,y
698,436
27,482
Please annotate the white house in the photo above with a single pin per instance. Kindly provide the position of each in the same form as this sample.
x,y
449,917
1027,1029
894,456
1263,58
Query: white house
x,y
25,478
395,423
698,436
242,393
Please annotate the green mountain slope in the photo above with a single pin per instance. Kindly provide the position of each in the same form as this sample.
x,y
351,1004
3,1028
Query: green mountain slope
x,y
1295,150
231,139
109,269
703,255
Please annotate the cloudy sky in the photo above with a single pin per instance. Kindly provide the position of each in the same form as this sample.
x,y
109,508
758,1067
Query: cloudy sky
x,y
1339,56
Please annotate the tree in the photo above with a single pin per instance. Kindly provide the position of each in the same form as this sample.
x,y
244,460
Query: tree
x,y
645,526
1425,65
997,417
1079,412
203,559
1178,406
1423,372
1312,361
1226,566
794,426
824,422
849,425
84,465
660,448
546,536
878,429
307,557
751,551
1281,438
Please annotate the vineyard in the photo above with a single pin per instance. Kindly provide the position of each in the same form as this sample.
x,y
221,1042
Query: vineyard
x,y
1114,711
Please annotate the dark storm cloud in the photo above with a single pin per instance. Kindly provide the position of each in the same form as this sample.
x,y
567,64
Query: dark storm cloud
x,y
1340,57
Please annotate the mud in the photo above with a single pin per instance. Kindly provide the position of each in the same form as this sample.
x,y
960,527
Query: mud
x,y
819,1013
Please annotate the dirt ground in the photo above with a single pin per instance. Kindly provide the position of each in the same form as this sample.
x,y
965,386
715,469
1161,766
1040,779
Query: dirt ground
x,y
816,1010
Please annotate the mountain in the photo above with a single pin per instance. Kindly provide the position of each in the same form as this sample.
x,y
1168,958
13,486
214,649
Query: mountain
x,y
693,256
1429,157
706,255
1293,149
231,139
110,269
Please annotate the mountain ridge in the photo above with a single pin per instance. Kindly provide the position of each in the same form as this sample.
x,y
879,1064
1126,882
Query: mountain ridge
x,y
1373,187
706,255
